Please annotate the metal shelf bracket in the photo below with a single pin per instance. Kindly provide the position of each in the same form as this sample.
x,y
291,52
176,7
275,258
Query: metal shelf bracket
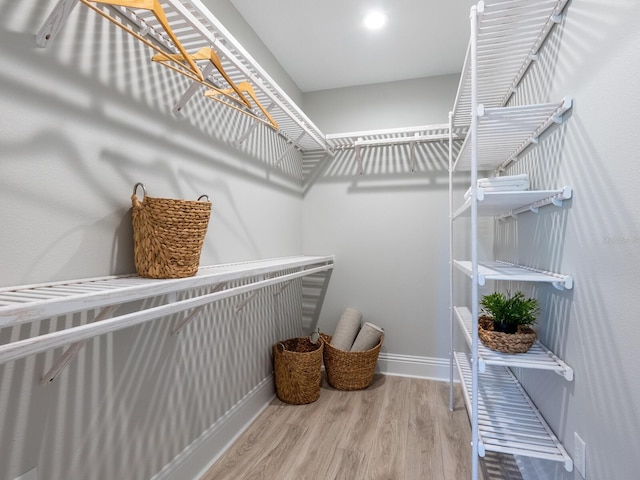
x,y
72,352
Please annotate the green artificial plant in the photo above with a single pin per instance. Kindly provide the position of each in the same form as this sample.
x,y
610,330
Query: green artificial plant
x,y
510,310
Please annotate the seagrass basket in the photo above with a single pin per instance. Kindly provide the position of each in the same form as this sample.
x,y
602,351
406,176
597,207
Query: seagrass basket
x,y
519,342
168,235
349,370
297,365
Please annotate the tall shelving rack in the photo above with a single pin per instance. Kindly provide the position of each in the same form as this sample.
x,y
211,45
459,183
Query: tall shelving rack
x,y
505,38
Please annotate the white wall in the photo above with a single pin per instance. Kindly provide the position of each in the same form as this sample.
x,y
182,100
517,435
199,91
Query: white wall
x,y
593,57
388,228
422,101
80,122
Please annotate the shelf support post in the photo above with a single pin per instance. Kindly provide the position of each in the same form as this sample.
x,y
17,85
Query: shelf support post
x,y
186,320
293,145
241,139
54,22
73,351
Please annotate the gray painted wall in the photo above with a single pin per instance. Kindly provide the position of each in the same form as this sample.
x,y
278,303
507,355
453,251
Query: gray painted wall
x,y
595,237
80,122
388,228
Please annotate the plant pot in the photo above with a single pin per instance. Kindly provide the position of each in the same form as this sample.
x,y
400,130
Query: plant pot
x,y
505,327
519,342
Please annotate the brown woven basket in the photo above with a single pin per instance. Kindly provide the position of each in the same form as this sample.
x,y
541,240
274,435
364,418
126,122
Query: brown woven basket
x,y
349,370
168,235
519,342
297,364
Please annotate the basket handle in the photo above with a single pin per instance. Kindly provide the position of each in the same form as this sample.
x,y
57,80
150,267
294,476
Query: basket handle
x,y
315,336
281,346
204,195
135,189
134,198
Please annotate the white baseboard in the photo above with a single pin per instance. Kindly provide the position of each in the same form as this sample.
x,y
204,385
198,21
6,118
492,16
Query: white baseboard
x,y
196,458
414,366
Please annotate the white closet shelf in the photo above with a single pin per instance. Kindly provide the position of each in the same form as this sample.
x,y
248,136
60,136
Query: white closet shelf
x,y
29,303
504,132
508,420
195,28
538,357
510,34
33,302
500,270
394,136
509,204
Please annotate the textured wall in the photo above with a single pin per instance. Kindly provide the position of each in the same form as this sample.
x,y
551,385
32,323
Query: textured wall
x,y
80,122
595,237
387,227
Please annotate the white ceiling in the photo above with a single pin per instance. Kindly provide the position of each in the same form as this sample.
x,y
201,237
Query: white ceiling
x,y
322,44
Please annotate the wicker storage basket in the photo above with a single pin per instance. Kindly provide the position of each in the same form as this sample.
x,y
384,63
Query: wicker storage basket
x,y
519,342
349,370
168,235
297,364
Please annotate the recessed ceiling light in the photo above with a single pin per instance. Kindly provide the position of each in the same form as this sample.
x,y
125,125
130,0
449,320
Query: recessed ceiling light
x,y
374,20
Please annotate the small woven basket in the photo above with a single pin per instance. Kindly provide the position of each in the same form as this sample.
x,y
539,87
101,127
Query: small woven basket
x,y
168,235
519,342
349,370
297,364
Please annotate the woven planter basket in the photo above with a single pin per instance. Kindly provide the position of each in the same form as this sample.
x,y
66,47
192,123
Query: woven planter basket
x,y
519,342
168,235
349,370
297,364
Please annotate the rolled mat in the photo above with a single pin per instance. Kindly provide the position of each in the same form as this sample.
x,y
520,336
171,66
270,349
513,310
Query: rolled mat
x,y
347,329
368,337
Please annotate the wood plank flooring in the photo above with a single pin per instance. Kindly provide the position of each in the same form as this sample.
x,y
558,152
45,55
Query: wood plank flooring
x,y
397,429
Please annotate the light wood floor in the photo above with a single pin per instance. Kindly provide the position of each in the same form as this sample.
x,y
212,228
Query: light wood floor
x,y
397,429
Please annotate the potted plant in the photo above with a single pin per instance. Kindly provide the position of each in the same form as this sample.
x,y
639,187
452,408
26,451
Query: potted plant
x,y
505,323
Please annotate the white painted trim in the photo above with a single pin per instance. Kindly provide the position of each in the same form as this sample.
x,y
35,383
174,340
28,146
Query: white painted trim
x,y
212,443
414,366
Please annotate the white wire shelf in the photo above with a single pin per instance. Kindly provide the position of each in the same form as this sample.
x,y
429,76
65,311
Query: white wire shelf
x,y
508,421
538,357
29,303
504,132
500,270
195,27
509,204
510,34
394,136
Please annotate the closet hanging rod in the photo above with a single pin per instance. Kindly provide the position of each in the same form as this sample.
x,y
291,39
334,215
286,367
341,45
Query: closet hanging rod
x,y
164,58
195,26
401,140
388,131
260,77
23,348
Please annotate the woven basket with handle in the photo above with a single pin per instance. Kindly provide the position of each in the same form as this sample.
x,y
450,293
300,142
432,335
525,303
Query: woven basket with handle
x,y
349,370
519,342
297,364
168,235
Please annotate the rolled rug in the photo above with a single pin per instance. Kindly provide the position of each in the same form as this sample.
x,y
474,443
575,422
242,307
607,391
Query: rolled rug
x,y
347,329
368,337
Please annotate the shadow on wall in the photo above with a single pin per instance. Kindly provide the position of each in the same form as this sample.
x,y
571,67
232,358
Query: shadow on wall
x,y
387,166
135,401
95,67
591,238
